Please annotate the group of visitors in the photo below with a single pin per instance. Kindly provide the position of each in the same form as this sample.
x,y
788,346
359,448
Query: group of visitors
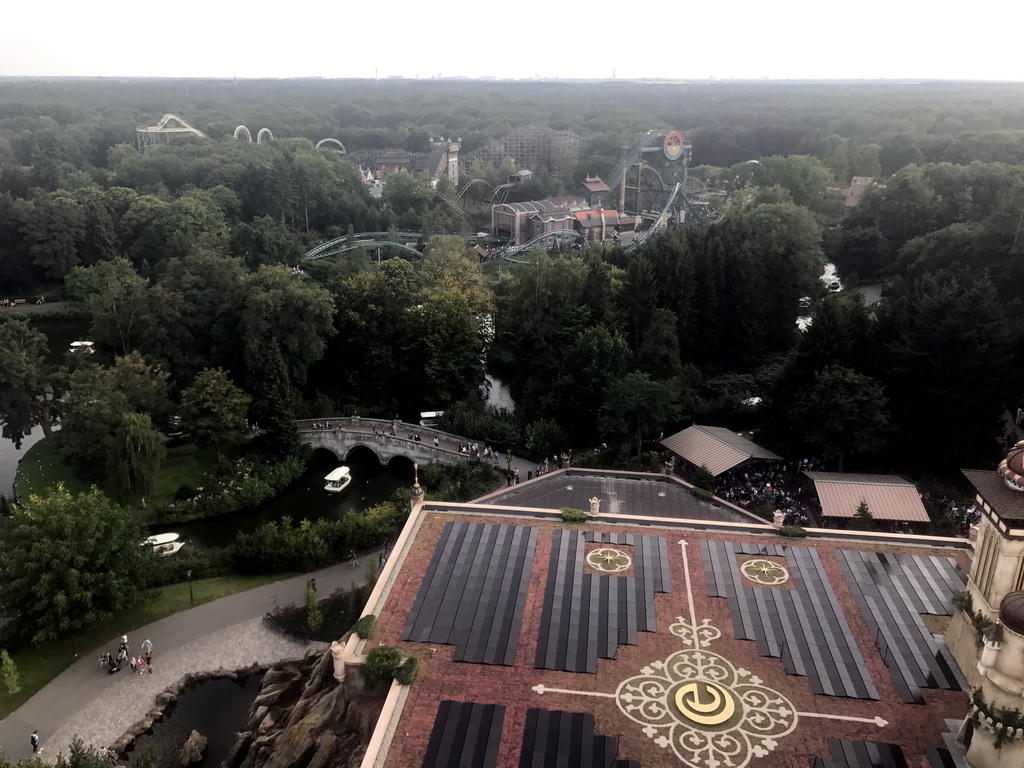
x,y
780,483
962,513
142,663
320,425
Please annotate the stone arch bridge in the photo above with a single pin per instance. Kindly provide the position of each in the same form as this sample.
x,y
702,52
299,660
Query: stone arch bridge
x,y
347,433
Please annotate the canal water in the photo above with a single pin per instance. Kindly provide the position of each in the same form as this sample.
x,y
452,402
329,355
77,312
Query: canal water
x,y
217,708
305,499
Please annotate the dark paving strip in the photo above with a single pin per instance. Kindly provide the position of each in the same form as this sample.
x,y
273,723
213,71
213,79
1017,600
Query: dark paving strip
x,y
474,592
892,592
588,616
804,627
465,735
555,739
939,757
861,754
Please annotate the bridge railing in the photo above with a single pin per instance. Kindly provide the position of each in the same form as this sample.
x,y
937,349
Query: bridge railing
x,y
357,424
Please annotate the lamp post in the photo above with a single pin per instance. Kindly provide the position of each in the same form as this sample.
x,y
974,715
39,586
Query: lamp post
x,y
191,598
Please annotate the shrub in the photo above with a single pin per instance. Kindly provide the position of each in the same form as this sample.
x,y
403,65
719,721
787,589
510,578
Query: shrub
x,y
766,510
792,532
963,601
381,663
702,493
406,673
702,478
314,617
9,672
364,627
570,515
282,546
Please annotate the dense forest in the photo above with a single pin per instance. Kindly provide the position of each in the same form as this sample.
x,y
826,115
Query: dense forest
x,y
182,260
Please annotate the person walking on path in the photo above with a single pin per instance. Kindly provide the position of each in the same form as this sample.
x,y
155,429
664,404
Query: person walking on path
x,y
352,557
35,741
149,661
147,647
142,665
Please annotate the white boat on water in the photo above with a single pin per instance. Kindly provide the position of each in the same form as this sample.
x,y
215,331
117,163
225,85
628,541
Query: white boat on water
x,y
338,480
164,544
161,538
168,549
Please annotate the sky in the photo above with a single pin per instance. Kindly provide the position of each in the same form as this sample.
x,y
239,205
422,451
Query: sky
x,y
868,39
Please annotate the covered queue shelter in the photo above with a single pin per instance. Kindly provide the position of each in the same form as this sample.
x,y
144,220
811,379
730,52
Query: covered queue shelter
x,y
889,497
717,448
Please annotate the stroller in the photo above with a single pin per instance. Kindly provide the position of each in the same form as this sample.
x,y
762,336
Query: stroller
x,y
114,662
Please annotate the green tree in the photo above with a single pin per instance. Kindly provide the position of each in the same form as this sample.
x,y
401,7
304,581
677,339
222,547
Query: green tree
x,y
450,345
69,562
804,176
281,310
9,672
135,452
314,616
29,388
97,431
862,518
213,410
842,412
636,405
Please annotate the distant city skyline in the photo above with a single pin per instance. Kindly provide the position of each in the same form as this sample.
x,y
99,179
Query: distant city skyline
x,y
792,39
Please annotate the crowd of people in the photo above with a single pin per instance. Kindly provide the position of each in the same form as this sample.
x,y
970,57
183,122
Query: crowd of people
x,y
962,513
780,482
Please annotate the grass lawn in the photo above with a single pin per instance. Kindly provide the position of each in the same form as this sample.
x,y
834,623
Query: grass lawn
x,y
181,468
41,469
38,665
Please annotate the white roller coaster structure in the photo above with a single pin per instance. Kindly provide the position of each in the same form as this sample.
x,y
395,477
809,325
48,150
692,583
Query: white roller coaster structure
x,y
328,140
161,133
264,133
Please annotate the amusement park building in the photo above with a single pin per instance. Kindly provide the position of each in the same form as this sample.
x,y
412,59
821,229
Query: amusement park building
x,y
524,221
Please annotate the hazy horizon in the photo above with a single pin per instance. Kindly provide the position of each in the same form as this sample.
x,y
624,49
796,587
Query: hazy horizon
x,y
792,40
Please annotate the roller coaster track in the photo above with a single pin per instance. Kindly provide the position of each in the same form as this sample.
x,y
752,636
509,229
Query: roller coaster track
x,y
348,242
264,133
329,140
151,135
630,156
451,204
469,184
183,126
549,240
659,222
499,194
371,244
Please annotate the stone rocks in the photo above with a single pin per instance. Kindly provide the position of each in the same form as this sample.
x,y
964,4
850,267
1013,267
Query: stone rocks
x,y
304,718
192,750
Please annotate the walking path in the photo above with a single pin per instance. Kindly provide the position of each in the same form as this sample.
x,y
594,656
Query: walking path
x,y
225,634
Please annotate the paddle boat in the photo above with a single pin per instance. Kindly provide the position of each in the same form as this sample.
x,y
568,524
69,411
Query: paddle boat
x,y
164,544
338,480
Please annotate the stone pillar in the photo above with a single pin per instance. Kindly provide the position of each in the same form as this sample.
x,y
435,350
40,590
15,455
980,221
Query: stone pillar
x,y
338,654
416,494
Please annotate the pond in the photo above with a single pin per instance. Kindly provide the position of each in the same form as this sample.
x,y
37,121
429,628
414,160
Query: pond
x,y
217,708
305,499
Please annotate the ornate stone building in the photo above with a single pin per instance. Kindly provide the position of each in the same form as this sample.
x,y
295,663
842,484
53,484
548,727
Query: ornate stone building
x,y
996,586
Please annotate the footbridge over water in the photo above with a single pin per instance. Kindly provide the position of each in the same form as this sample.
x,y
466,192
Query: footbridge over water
x,y
347,433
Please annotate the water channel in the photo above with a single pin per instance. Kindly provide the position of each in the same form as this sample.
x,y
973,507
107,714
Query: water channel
x,y
216,708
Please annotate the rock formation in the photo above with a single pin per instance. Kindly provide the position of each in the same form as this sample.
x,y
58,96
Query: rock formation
x,y
304,718
192,750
